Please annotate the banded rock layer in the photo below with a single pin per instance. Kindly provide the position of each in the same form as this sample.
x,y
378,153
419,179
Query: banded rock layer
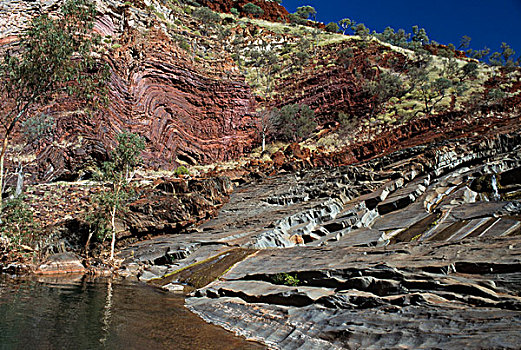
x,y
189,110
186,112
272,10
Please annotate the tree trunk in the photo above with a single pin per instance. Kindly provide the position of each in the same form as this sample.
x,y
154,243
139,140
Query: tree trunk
x,y
113,225
19,181
2,158
87,245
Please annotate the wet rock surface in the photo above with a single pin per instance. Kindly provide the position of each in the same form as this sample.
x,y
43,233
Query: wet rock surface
x,y
420,296
423,295
400,251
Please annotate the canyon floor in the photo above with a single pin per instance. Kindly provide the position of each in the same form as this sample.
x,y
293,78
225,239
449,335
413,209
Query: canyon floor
x,y
420,248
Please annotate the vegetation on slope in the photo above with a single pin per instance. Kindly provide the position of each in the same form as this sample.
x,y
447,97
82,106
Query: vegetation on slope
x,y
388,79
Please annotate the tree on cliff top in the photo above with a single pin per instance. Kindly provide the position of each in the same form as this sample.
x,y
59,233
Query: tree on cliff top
x,y
306,12
505,57
253,9
346,24
53,58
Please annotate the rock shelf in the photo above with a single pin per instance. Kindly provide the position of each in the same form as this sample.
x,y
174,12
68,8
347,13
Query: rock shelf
x,y
404,250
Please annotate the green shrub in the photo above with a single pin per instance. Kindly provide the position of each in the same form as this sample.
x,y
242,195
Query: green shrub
x,y
160,15
253,9
206,15
346,123
182,170
294,122
345,57
184,45
37,127
332,27
17,222
286,279
295,19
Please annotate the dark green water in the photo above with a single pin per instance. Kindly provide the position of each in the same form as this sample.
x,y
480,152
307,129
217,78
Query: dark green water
x,y
84,313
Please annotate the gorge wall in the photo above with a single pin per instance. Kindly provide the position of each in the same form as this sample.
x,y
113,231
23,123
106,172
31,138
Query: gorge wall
x,y
174,82
188,111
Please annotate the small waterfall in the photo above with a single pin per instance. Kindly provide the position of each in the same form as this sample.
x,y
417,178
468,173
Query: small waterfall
x,y
495,192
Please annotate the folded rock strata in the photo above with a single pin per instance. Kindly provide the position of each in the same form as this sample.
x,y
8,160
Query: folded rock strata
x,y
189,112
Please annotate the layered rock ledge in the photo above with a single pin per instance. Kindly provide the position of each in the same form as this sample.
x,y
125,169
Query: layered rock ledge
x,y
419,249
426,295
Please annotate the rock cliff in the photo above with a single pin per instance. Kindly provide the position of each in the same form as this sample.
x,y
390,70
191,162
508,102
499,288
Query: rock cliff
x,y
189,88
189,110
272,11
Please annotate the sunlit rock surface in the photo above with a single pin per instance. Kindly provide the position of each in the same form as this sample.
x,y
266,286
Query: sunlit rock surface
x,y
418,248
406,237
189,111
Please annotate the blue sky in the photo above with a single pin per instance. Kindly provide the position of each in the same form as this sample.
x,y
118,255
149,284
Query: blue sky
x,y
487,22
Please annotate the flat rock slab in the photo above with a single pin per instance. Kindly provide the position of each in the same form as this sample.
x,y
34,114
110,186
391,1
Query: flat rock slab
x,y
62,263
269,293
403,197
410,327
420,255
503,227
364,237
476,210
426,295
401,219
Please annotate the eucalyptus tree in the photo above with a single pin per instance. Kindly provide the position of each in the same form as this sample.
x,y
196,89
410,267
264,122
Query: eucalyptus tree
x,y
346,24
116,175
53,57
307,12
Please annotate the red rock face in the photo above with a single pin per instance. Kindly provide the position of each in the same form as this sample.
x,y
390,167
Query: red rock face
x,y
417,132
201,110
272,10
187,111
329,89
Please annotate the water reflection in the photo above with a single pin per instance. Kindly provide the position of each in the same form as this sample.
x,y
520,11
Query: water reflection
x,y
106,313
83,313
